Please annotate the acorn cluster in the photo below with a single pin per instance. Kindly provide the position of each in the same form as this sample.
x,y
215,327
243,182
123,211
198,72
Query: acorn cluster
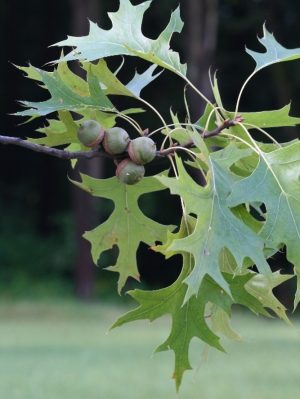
x,y
116,141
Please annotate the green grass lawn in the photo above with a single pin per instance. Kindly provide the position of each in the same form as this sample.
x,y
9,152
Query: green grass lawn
x,y
62,350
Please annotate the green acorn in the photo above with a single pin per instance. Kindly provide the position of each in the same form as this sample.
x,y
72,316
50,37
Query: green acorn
x,y
129,172
90,133
115,140
142,150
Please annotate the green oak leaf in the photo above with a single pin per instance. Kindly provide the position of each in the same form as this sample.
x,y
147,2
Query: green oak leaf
x,y
216,90
65,97
58,132
237,158
217,227
77,84
230,155
262,288
72,80
192,318
188,321
221,324
208,119
275,182
141,80
109,82
240,295
208,314
177,132
127,226
111,85
268,119
126,38
274,53
70,92
258,286
31,72
63,131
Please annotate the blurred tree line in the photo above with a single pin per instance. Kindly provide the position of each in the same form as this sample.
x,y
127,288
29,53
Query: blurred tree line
x,y
42,216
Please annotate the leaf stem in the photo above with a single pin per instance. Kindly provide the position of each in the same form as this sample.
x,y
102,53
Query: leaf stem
x,y
154,110
205,134
175,124
242,141
241,92
186,150
196,90
264,132
209,117
261,154
131,121
184,212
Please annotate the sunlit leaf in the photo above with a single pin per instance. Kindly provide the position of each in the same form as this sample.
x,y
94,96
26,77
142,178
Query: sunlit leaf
x,y
274,53
267,119
275,182
126,38
217,227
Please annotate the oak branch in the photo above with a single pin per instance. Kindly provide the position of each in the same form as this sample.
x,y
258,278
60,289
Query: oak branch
x,y
99,153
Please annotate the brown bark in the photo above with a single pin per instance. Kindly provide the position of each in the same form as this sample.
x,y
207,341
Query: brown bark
x,y
83,204
84,219
201,40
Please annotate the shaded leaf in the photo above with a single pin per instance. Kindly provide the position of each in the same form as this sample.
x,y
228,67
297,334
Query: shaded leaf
x,y
127,226
192,318
188,321
64,96
112,85
58,132
63,131
262,288
221,324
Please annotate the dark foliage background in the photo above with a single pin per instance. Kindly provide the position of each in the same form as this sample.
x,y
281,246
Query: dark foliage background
x,y
41,214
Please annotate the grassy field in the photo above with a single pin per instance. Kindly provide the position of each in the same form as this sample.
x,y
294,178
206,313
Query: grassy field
x,y
62,350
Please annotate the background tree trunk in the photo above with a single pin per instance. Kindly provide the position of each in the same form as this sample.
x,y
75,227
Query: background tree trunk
x,y
84,204
201,42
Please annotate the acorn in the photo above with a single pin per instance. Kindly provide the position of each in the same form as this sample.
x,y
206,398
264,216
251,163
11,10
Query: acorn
x,y
115,140
90,133
142,150
129,172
